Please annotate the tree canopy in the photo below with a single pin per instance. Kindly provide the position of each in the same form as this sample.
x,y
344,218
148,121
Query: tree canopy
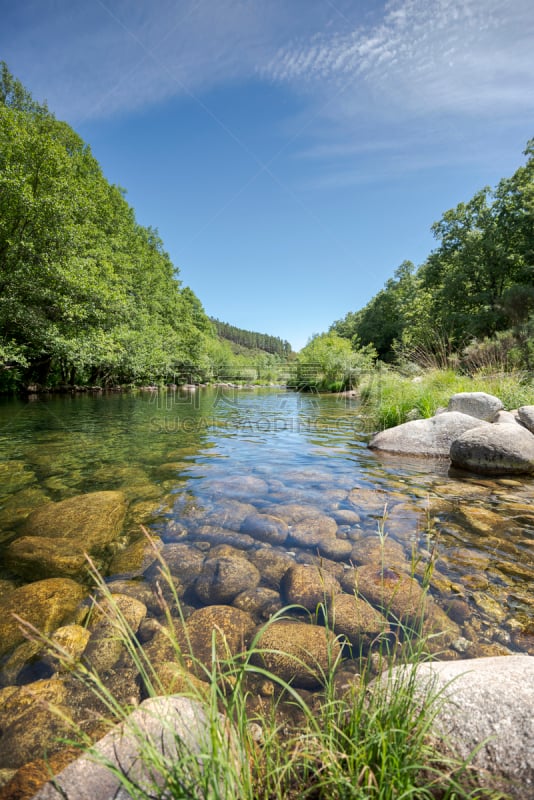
x,y
476,284
86,293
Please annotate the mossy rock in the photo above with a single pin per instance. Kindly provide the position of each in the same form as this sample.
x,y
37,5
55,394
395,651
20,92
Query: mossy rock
x,y
298,653
308,586
93,520
228,629
44,604
38,557
357,620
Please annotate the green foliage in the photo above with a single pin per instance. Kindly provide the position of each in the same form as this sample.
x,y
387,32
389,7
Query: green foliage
x,y
329,363
87,295
390,397
478,282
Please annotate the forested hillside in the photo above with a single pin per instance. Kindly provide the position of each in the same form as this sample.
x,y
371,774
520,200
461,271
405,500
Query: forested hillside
x,y
86,293
473,295
251,339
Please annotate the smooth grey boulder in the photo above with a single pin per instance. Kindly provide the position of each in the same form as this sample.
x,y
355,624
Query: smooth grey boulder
x,y
476,404
506,416
526,417
426,437
174,726
505,449
486,703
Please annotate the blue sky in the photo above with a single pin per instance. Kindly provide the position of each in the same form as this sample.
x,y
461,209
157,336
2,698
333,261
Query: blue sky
x,y
291,153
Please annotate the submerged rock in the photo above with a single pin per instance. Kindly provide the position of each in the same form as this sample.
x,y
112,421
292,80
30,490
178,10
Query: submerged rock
x,y
221,630
505,449
94,519
308,586
224,578
357,620
44,604
298,653
426,437
265,528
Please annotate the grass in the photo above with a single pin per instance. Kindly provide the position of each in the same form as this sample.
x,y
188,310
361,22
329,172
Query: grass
x,y
368,740
389,397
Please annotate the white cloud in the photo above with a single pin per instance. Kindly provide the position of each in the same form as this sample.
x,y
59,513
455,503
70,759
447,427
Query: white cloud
x,y
453,56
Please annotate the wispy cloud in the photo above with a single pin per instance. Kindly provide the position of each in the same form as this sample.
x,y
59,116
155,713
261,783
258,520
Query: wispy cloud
x,y
459,56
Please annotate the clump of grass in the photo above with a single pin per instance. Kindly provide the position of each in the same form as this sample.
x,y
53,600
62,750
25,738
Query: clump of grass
x,y
389,397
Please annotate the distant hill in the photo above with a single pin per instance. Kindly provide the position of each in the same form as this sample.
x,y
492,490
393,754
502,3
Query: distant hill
x,y
242,340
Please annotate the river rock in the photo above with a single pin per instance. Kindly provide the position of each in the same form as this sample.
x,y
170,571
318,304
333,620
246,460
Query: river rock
x,y
260,602
526,417
293,513
184,561
94,520
44,604
426,437
134,560
486,706
398,595
313,532
115,619
222,579
228,628
265,528
168,725
298,653
476,404
506,416
308,586
506,449
29,726
356,619
38,557
272,565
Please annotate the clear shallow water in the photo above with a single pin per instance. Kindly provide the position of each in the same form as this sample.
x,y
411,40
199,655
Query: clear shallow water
x,y
187,460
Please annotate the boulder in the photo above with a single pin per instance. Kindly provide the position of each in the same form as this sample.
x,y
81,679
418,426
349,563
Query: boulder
x,y
426,437
505,449
224,578
44,604
526,417
486,706
175,727
308,586
298,653
93,520
476,404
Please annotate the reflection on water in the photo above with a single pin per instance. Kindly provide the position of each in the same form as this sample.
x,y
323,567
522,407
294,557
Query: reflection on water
x,y
195,465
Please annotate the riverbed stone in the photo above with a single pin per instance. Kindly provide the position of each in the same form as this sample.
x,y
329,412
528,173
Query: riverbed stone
x,y
226,627
133,560
265,528
356,619
224,578
170,725
261,602
426,437
38,557
29,726
107,642
272,565
93,520
526,417
486,707
308,586
313,532
297,652
294,513
45,604
477,404
398,595
506,449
